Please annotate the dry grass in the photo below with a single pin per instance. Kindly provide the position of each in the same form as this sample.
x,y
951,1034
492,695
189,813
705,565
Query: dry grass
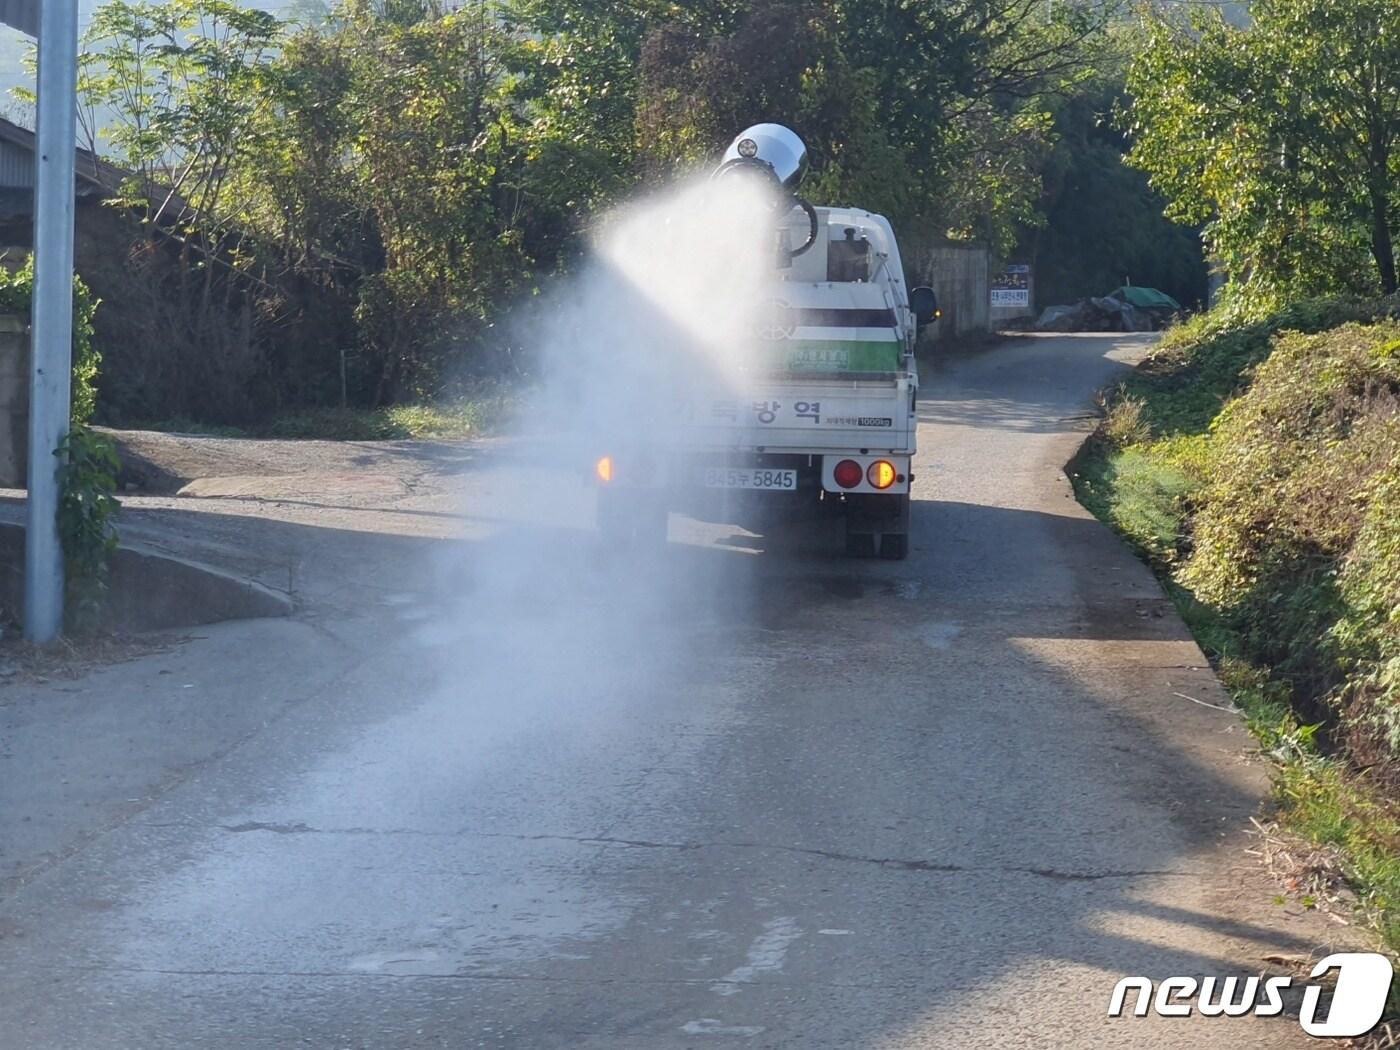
x,y
1310,874
23,663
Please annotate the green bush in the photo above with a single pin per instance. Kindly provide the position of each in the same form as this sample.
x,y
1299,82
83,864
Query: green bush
x,y
1202,363
1290,455
1256,464
17,296
1293,461
1257,473
1148,500
87,475
1368,638
465,417
87,503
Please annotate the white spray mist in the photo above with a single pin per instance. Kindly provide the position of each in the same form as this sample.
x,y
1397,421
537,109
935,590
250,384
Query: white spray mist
x,y
659,322
558,696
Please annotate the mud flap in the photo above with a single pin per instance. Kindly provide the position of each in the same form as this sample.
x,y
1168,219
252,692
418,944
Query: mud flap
x,y
878,527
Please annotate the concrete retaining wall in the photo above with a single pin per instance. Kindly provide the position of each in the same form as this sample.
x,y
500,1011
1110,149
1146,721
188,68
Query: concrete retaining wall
x,y
14,401
147,591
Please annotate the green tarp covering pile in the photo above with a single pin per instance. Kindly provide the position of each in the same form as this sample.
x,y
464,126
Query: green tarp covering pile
x,y
1145,298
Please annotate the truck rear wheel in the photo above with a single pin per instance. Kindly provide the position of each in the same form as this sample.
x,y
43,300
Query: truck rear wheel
x,y
628,520
894,546
859,544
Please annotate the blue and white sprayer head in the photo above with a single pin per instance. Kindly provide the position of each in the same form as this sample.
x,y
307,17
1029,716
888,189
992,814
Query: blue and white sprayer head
x,y
770,149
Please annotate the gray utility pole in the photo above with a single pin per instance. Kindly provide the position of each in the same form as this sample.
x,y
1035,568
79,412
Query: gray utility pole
x,y
51,349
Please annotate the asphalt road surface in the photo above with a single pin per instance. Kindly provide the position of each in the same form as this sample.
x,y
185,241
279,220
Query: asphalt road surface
x,y
492,788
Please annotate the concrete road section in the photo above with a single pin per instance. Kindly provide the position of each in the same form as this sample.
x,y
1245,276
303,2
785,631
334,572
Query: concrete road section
x,y
491,786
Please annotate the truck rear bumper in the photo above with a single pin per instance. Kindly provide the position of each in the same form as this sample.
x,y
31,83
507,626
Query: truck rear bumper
x,y
746,486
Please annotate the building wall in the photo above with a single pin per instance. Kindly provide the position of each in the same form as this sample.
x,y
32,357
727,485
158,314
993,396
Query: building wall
x,y
21,14
14,401
16,166
958,273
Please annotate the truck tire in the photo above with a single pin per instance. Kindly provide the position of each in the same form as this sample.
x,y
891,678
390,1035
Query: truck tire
x,y
894,546
628,521
894,542
859,544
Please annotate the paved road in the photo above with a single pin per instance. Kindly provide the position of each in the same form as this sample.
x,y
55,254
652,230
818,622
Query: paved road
x,y
490,789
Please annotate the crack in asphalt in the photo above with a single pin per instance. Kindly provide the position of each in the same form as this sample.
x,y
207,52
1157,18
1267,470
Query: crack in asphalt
x,y
895,863
706,982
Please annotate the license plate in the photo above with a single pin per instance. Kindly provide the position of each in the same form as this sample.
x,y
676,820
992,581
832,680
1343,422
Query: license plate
x,y
750,478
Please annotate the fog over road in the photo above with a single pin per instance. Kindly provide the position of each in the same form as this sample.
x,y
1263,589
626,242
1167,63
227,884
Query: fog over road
x,y
731,797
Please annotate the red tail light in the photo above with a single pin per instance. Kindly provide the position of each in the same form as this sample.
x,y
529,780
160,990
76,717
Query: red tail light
x,y
847,474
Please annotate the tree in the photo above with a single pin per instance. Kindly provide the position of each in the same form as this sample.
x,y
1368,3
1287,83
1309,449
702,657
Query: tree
x,y
178,84
933,113
1103,224
1281,136
962,89
390,175
391,172
311,13
436,153
175,87
358,183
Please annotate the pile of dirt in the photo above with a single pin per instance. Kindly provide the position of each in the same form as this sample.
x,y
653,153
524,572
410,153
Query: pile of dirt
x,y
1127,309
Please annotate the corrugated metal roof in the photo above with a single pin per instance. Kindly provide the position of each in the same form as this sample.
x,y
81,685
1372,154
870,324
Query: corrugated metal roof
x,y
93,173
16,166
22,14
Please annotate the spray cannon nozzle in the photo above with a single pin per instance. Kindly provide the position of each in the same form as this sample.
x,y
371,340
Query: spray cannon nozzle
x,y
775,153
768,149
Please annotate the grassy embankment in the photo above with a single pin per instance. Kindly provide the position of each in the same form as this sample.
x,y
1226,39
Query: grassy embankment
x,y
443,421
1257,467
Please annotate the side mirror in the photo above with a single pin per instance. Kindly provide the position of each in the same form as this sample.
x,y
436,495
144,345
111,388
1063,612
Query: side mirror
x,y
924,304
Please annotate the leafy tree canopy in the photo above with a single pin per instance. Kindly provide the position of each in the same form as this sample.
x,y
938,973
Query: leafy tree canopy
x,y
1279,135
383,178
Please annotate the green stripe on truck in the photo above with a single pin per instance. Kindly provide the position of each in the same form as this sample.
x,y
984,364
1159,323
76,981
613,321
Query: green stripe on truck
x,y
831,355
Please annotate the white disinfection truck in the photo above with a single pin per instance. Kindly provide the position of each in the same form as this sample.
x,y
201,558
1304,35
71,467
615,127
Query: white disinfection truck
x,y
824,422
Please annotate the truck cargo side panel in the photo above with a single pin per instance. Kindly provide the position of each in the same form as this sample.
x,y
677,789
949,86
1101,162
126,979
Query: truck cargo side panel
x,y
805,414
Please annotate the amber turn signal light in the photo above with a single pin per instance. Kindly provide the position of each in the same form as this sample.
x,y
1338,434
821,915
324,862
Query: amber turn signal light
x,y
881,474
